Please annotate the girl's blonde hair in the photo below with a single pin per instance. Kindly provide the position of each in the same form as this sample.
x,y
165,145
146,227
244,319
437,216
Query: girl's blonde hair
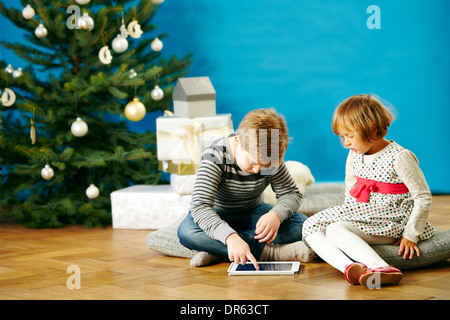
x,y
364,114
264,135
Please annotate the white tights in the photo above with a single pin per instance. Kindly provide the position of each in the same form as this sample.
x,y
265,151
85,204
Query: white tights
x,y
341,242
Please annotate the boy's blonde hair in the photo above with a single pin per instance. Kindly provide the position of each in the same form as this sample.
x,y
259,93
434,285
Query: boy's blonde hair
x,y
264,135
365,114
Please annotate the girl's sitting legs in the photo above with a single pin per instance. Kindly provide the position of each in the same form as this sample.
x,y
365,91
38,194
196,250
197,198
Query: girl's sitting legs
x,y
341,242
356,244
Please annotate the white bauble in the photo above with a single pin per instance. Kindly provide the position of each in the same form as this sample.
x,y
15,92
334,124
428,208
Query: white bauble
x,y
28,12
79,128
40,31
157,1
17,73
133,74
83,1
9,69
119,44
92,191
156,45
47,172
85,22
157,93
135,110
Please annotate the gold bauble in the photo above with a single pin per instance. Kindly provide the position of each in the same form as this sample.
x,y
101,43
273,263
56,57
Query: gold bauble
x,y
135,110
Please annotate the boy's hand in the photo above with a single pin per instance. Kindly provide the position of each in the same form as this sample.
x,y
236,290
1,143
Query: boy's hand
x,y
267,227
408,247
239,251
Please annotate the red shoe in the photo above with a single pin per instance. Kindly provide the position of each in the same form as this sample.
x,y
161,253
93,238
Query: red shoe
x,y
378,276
353,271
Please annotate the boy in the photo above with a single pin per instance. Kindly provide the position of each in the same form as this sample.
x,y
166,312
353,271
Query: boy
x,y
228,217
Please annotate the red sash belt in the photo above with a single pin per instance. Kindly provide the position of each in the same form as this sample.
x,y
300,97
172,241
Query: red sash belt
x,y
364,186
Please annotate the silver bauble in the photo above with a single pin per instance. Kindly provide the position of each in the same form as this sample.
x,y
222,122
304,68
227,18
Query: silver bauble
x,y
40,31
47,172
79,128
85,22
156,45
9,69
157,93
119,44
28,12
17,73
92,191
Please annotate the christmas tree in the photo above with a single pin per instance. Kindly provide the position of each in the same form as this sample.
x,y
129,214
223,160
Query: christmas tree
x,y
96,62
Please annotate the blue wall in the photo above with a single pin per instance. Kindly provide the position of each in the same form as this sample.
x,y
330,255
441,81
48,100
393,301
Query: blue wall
x,y
303,57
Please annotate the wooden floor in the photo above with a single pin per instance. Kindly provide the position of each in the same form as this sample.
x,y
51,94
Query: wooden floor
x,y
116,264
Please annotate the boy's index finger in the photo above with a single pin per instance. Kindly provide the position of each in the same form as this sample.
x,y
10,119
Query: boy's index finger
x,y
253,260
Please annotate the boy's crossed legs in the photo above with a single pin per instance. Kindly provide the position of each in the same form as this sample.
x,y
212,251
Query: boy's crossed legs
x,y
287,245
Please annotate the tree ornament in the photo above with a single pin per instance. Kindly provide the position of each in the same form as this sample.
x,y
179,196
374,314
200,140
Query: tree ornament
x,y
8,97
123,30
133,74
28,12
17,73
40,31
83,1
135,110
105,55
33,134
156,45
86,22
157,1
92,191
134,29
157,93
79,128
119,44
47,172
9,69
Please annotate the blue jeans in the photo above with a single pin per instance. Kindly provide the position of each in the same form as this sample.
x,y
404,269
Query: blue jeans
x,y
193,237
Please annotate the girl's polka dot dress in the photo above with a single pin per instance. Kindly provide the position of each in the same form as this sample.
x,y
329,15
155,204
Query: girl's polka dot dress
x,y
384,214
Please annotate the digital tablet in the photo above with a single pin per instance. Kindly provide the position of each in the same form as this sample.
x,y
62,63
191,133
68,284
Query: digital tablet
x,y
265,268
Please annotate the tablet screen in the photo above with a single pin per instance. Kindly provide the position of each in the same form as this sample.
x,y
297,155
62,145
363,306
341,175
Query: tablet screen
x,y
265,267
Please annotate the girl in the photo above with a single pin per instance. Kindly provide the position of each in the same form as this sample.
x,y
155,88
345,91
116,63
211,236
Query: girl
x,y
387,198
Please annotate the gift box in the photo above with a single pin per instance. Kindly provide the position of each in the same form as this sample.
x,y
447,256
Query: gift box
x,y
209,129
147,207
182,140
180,168
194,97
175,139
183,184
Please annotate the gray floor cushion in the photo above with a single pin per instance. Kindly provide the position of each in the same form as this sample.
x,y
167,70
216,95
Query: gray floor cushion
x,y
318,197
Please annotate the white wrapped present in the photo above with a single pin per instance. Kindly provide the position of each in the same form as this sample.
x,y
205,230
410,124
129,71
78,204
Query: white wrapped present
x,y
147,207
175,138
182,184
183,140
194,97
207,129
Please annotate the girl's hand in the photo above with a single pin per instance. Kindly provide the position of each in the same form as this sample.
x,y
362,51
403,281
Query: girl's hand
x,y
239,251
408,248
267,227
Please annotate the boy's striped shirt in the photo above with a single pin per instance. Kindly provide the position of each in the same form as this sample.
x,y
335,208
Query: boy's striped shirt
x,y
220,184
